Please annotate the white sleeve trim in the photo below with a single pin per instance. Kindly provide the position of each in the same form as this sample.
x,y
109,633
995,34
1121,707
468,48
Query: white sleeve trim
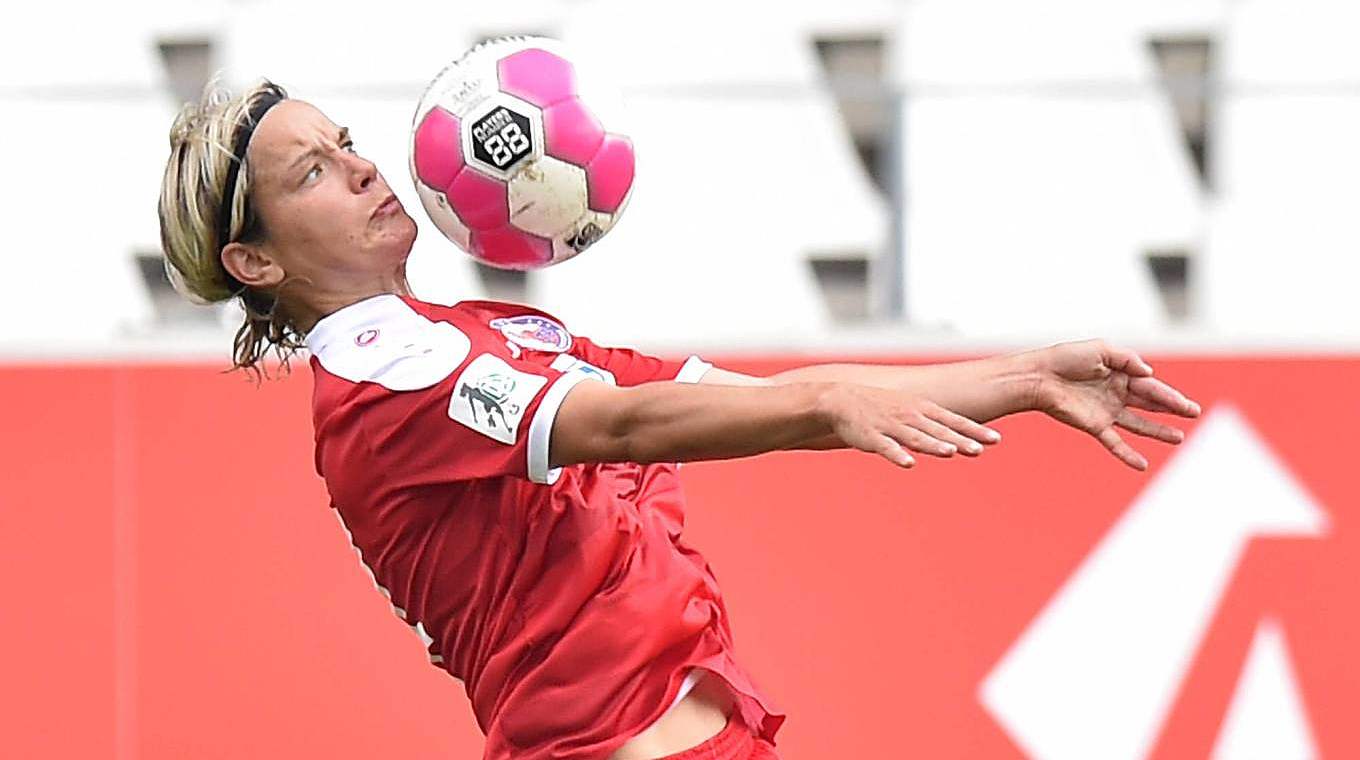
x,y
693,370
540,429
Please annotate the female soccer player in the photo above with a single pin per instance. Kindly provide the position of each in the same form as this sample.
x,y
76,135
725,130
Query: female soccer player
x,y
511,485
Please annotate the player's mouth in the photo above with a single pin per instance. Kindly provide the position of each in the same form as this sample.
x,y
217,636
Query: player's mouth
x,y
388,207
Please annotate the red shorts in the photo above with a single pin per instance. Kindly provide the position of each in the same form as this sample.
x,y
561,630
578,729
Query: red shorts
x,y
735,742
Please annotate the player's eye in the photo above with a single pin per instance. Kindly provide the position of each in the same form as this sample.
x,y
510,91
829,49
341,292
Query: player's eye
x,y
349,146
312,173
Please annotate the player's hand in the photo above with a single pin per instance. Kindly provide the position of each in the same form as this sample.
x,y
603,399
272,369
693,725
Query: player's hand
x,y
1094,387
890,423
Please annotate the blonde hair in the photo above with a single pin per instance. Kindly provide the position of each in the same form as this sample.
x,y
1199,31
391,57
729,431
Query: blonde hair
x,y
197,221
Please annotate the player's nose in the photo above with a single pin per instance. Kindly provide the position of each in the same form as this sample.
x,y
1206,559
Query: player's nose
x,y
363,174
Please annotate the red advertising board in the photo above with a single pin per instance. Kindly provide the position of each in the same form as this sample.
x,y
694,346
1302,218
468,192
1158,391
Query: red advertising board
x,y
176,586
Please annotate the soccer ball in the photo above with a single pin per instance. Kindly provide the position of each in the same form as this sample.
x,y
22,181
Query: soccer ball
x,y
510,164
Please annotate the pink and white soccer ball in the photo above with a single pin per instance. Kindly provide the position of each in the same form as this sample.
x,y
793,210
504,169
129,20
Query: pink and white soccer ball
x,y
509,161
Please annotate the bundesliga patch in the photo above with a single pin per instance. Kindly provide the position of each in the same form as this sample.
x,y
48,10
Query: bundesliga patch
x,y
491,396
534,333
565,363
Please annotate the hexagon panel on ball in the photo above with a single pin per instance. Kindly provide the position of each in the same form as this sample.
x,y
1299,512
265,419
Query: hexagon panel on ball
x,y
501,134
538,76
510,248
547,197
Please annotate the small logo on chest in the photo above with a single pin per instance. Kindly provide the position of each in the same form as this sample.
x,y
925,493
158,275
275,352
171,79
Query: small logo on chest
x,y
534,333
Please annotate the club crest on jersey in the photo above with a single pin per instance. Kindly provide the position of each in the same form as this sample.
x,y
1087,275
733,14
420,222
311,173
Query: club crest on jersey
x,y
534,333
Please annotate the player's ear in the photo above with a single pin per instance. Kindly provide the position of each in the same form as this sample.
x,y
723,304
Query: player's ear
x,y
252,265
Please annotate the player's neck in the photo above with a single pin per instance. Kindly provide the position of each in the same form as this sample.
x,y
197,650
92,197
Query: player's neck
x,y
320,305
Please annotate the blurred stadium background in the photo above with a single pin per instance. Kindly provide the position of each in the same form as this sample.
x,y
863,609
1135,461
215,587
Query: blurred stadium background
x,y
871,179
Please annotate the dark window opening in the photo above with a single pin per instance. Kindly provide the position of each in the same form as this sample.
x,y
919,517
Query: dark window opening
x,y
854,69
844,285
188,65
1185,65
170,308
1171,271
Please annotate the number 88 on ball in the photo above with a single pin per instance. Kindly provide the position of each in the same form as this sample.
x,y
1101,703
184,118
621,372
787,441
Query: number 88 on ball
x,y
511,163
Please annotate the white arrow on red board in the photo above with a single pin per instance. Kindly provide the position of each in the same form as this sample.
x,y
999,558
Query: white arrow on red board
x,y
1093,676
1266,718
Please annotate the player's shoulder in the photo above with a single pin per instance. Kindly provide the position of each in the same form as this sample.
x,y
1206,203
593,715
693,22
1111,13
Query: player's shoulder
x,y
398,343
489,310
525,326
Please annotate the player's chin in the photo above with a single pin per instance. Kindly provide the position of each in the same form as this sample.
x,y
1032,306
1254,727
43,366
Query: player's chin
x,y
395,243
405,224
398,229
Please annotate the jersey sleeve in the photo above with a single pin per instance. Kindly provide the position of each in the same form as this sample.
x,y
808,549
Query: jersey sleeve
x,y
491,416
628,367
535,330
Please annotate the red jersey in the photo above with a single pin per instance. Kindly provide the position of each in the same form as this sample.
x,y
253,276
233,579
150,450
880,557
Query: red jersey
x,y
565,599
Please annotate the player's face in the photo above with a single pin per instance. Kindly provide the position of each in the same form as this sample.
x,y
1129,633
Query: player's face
x,y
330,219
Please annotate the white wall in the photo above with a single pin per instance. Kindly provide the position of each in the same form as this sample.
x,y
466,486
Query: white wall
x,y
1042,160
1284,254
79,103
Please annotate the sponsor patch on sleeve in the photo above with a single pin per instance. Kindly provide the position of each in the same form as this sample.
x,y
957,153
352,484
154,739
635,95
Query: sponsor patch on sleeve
x,y
490,397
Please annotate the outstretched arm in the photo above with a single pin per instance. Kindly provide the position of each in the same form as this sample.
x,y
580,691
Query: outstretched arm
x,y
1089,385
677,422
982,389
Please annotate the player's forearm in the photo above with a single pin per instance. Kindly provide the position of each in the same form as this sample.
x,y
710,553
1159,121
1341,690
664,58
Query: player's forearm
x,y
982,389
681,422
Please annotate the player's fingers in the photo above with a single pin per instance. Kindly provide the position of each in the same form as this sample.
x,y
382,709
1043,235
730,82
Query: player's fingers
x,y
1151,391
1122,450
975,430
868,439
1125,361
917,440
891,450
1147,405
1145,427
943,432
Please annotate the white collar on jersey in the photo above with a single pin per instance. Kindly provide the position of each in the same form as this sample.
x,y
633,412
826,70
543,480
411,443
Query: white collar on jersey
x,y
354,318
381,339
